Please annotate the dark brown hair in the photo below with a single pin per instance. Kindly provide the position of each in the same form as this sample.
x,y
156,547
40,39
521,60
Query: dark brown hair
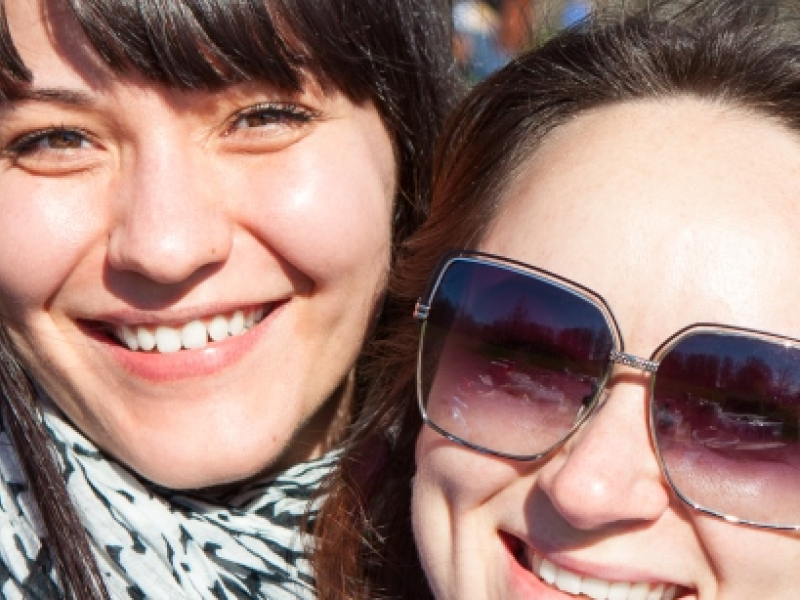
x,y
393,53
738,53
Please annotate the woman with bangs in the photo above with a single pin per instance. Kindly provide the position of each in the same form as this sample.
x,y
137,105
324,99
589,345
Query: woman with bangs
x,y
598,393
199,205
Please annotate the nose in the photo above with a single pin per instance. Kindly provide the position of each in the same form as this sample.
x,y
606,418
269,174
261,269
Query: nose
x,y
171,219
608,472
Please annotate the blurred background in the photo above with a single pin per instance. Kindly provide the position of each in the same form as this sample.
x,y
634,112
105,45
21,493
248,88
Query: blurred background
x,y
489,32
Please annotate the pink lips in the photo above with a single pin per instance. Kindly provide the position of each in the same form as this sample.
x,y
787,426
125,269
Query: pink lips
x,y
157,367
524,583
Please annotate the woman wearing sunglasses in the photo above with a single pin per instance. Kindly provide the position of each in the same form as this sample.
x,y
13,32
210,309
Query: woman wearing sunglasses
x,y
199,201
600,393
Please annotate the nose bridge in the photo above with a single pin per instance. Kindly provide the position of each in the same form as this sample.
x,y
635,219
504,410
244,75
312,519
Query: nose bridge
x,y
608,471
170,219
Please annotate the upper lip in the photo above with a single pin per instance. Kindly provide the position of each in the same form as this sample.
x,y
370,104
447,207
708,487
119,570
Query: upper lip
x,y
174,316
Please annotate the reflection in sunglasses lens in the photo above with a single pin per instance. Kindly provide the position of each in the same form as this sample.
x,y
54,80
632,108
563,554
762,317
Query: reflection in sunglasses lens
x,y
725,415
510,361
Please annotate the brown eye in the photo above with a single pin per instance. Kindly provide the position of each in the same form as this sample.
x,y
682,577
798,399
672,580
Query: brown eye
x,y
50,140
64,140
272,115
258,119
53,151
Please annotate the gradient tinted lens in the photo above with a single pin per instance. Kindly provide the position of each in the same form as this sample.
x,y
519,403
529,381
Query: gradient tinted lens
x,y
726,417
509,360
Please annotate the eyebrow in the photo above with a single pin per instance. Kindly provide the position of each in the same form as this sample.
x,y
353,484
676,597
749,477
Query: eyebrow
x,y
52,96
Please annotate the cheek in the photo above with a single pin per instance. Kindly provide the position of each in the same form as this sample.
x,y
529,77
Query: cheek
x,y
45,230
460,500
432,518
751,563
327,207
462,480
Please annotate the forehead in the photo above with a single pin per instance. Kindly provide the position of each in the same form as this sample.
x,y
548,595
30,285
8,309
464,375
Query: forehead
x,y
675,211
53,46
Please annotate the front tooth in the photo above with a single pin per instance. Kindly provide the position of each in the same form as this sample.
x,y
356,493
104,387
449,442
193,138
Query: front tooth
x,y
619,590
656,592
568,581
547,571
147,341
127,335
594,588
168,339
218,328
194,335
250,319
236,324
639,591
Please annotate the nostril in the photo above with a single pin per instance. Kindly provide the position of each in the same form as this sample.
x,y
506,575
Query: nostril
x,y
167,260
167,240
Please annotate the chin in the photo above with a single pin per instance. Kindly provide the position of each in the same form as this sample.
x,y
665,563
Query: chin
x,y
204,461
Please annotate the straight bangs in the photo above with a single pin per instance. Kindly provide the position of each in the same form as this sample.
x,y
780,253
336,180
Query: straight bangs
x,y
208,44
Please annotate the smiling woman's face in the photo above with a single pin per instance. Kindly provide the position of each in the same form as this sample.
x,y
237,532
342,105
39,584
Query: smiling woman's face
x,y
189,275
676,213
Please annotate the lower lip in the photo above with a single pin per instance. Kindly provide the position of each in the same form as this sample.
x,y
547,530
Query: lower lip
x,y
186,364
525,583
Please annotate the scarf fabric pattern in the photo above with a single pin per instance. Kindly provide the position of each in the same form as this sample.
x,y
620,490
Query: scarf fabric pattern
x,y
159,544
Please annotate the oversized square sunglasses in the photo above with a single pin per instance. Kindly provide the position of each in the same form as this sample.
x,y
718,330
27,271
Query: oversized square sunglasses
x,y
513,360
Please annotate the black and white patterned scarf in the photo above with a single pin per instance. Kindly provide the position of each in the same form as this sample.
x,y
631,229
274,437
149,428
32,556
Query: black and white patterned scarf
x,y
157,544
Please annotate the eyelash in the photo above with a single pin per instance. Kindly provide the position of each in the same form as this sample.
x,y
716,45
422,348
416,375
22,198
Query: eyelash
x,y
277,113
26,144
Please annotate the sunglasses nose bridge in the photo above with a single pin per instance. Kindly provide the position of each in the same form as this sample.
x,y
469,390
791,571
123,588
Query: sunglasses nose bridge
x,y
635,362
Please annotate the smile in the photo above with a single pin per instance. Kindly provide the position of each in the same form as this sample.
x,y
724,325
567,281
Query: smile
x,y
194,334
592,587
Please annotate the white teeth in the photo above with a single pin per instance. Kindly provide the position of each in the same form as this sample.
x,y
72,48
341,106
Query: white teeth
x,y
619,590
168,340
639,591
236,324
195,334
536,563
147,341
594,588
130,339
218,328
568,581
548,571
591,587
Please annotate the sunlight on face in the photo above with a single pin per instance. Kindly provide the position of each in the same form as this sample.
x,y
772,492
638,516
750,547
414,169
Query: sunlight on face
x,y
667,211
189,275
